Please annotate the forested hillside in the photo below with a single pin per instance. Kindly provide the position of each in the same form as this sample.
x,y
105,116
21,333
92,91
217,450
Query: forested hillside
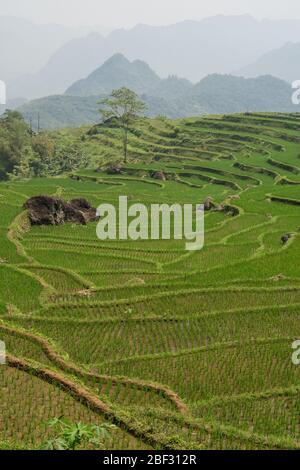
x,y
172,97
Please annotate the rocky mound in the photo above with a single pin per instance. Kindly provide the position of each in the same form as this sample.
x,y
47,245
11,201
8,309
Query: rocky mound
x,y
158,175
209,204
46,210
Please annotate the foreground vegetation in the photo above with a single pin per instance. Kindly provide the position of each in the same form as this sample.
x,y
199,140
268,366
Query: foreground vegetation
x,y
176,349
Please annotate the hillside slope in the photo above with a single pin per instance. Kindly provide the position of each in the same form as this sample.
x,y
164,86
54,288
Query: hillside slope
x,y
223,94
115,73
179,349
175,98
283,63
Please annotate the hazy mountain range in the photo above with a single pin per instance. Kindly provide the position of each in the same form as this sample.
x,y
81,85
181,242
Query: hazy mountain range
x,y
118,71
115,72
283,63
25,47
65,71
173,97
192,49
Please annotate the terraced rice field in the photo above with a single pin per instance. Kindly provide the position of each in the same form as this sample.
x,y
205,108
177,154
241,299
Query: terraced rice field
x,y
182,350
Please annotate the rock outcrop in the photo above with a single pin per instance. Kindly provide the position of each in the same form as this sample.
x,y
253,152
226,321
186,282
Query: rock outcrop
x,y
158,175
114,169
47,210
209,204
285,238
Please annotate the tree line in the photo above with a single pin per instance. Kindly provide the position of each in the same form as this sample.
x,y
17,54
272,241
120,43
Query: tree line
x,y
26,154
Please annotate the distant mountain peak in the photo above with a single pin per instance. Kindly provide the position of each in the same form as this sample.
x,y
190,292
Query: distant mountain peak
x,y
194,49
116,72
116,59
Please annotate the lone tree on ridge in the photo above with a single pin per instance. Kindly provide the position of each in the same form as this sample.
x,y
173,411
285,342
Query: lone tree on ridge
x,y
123,105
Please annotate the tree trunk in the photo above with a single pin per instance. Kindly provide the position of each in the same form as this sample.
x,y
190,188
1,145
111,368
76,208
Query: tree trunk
x,y
125,142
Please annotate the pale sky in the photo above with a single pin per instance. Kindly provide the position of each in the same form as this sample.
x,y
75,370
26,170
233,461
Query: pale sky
x,y
127,13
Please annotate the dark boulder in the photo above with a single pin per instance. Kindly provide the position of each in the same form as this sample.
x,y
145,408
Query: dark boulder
x,y
285,238
71,214
231,210
114,169
158,175
46,210
81,204
209,204
75,177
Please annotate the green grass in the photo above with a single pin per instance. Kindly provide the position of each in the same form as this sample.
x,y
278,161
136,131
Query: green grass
x,y
214,326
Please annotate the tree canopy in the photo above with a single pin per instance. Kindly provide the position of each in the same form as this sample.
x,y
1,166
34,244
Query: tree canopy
x,y
124,106
25,154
